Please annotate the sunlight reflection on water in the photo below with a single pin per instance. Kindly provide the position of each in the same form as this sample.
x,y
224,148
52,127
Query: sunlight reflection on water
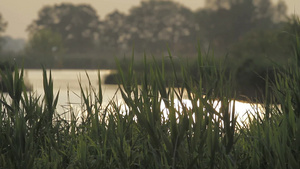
x,y
67,83
242,110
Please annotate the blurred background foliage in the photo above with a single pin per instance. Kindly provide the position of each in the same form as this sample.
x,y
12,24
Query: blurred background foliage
x,y
74,36
3,25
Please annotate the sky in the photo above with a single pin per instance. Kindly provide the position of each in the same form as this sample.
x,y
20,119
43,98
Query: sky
x,y
20,13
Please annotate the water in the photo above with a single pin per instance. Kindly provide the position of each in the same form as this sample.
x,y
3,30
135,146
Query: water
x,y
67,83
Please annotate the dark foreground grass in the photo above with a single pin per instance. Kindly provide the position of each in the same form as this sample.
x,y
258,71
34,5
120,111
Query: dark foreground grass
x,y
34,135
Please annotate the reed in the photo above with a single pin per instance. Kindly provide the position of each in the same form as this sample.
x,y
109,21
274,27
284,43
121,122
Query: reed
x,y
140,134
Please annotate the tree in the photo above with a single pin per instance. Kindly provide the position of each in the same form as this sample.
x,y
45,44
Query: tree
x,y
78,25
44,46
226,23
111,31
152,25
3,25
223,26
217,4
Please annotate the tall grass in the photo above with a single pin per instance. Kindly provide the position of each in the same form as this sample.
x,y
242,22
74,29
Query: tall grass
x,y
143,135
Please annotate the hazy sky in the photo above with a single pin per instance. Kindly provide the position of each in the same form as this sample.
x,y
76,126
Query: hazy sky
x,y
20,13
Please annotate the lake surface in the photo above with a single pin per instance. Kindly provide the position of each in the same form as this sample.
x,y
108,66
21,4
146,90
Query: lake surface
x,y
67,82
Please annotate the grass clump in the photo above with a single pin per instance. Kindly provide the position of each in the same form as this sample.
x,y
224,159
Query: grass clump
x,y
140,134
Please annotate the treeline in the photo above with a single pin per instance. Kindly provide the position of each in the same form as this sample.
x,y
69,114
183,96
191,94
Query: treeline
x,y
74,36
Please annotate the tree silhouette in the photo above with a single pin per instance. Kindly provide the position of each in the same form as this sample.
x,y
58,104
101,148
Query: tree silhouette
x,y
226,23
150,27
78,25
3,25
112,31
44,46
